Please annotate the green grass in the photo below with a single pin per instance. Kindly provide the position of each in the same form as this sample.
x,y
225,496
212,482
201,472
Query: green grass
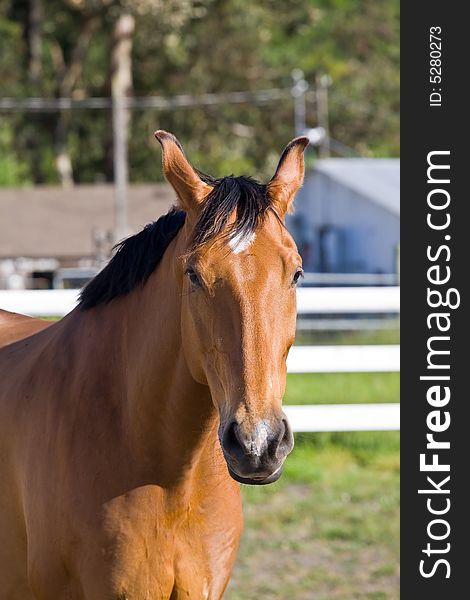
x,y
381,336
342,388
329,529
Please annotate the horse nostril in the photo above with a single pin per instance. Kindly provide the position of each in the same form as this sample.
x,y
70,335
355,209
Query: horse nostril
x,y
286,427
231,440
285,439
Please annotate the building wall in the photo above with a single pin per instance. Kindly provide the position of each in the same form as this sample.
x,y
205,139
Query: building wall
x,y
338,230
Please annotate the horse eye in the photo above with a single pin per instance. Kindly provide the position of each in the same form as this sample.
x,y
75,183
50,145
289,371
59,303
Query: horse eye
x,y
193,277
297,275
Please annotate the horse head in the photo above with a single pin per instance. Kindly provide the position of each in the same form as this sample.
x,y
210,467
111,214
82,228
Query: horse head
x,y
238,273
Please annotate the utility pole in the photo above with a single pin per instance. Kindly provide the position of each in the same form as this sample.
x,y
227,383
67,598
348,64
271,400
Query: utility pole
x,y
298,90
121,87
321,91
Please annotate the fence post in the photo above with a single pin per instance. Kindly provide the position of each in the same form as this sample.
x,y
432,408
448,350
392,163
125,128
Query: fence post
x,y
321,92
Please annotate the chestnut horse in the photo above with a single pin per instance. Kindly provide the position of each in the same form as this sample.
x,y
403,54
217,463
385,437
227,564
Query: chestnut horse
x,y
126,427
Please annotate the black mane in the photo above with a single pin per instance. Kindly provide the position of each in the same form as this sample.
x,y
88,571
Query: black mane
x,y
137,256
135,259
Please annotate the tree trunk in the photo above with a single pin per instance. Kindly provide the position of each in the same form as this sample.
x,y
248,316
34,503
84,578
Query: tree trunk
x,y
35,41
70,74
62,157
34,37
121,89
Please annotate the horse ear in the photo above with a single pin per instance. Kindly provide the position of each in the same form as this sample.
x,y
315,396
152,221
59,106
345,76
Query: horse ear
x,y
289,174
189,187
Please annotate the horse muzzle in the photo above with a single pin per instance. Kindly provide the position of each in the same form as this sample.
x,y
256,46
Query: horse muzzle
x,y
255,455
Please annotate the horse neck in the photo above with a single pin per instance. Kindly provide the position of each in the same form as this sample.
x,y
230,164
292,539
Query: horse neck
x,y
165,403
164,411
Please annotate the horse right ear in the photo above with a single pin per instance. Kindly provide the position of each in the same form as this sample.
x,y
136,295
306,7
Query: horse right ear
x,y
189,187
289,174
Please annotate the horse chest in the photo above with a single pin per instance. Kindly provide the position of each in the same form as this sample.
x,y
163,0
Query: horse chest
x,y
154,547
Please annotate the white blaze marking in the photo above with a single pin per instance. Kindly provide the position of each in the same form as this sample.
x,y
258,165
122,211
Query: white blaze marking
x,y
260,439
240,242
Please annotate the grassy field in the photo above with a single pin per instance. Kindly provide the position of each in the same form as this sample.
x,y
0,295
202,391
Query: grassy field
x,y
329,529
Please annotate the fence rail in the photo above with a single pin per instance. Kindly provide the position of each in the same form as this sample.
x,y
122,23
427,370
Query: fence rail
x,y
344,359
333,279
348,300
39,303
309,301
344,417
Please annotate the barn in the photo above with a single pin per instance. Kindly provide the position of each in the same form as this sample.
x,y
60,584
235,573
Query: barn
x,y
347,214
55,237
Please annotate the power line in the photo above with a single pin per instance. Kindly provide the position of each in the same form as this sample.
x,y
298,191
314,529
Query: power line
x,y
156,102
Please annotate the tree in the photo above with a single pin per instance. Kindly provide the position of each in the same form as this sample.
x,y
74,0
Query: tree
x,y
196,46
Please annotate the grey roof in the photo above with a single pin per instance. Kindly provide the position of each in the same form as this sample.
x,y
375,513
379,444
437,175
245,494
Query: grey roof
x,y
377,179
54,222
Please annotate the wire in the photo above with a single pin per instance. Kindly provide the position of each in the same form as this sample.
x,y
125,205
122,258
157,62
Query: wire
x,y
156,102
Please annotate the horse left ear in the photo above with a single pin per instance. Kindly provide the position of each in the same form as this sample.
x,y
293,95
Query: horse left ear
x,y
289,174
189,187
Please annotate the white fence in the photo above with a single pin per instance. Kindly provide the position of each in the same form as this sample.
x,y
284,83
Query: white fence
x,y
301,359
332,279
309,300
343,359
348,300
39,303
344,417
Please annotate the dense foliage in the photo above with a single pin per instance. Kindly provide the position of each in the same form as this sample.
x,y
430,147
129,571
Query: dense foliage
x,y
194,46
